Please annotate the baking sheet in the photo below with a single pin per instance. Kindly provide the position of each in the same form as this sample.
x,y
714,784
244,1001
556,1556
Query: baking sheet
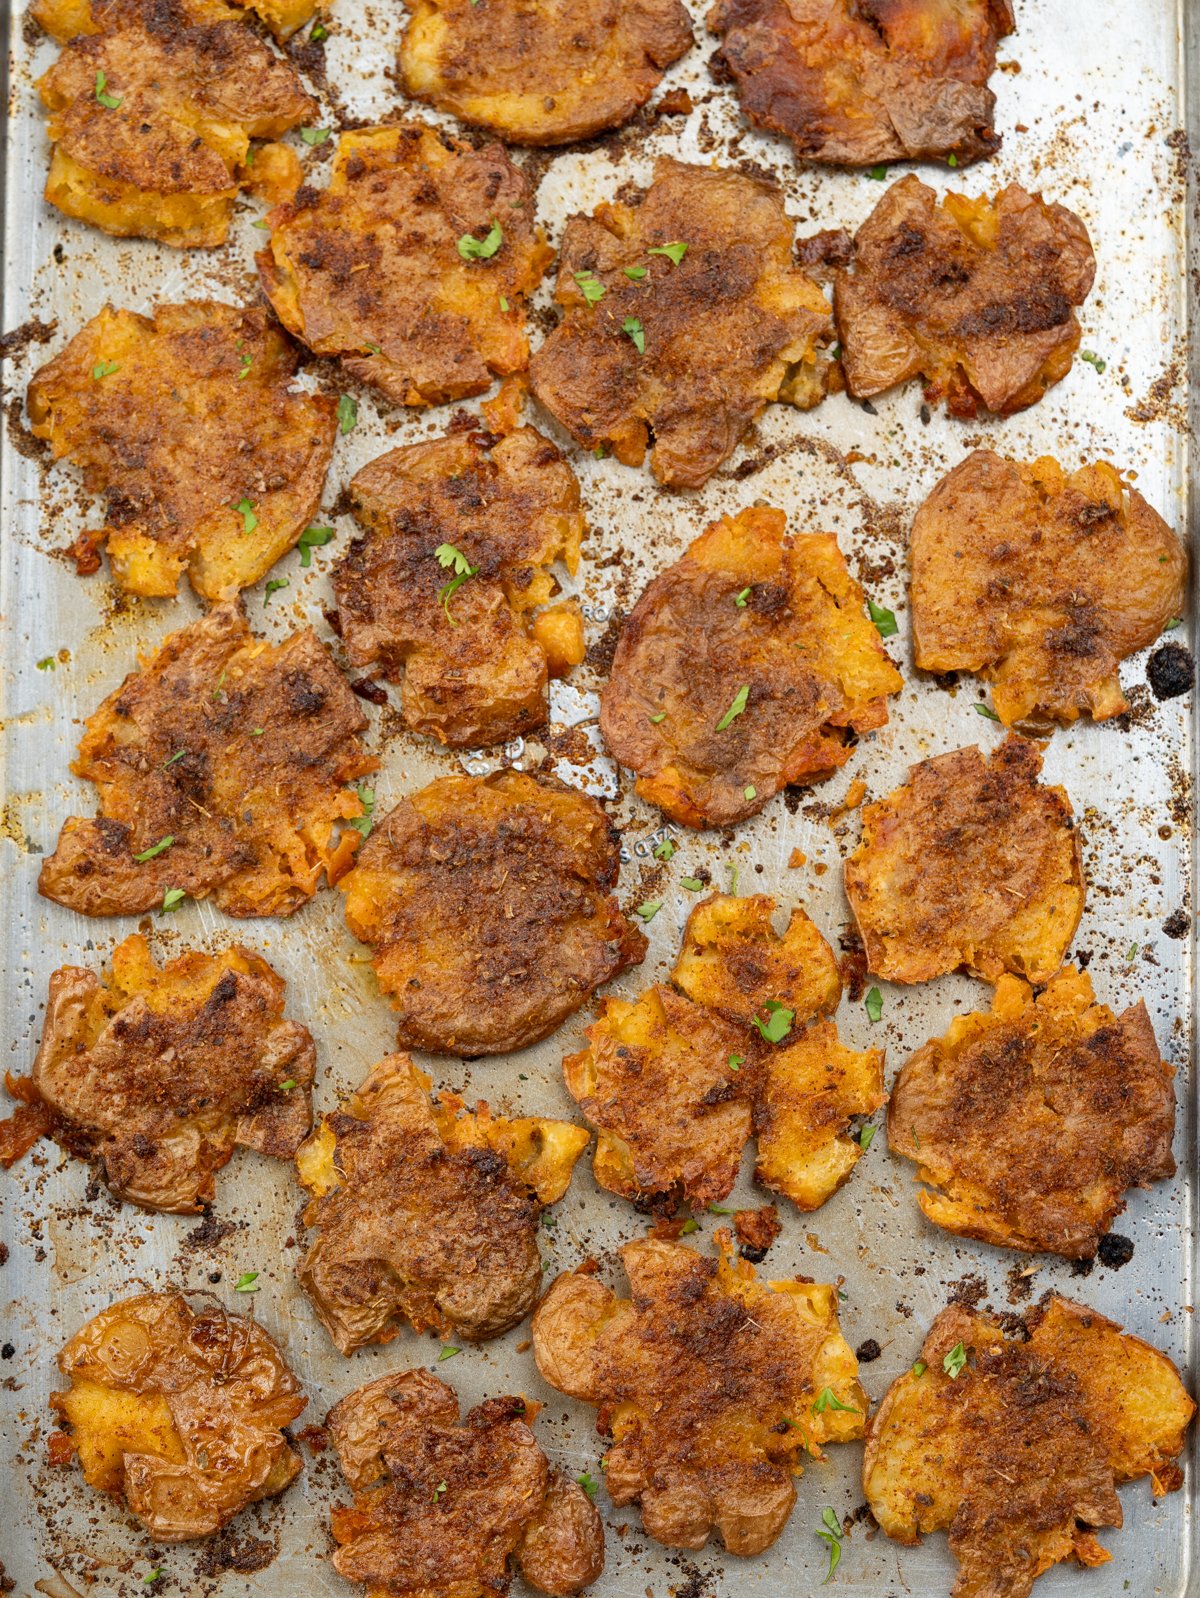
x,y
1092,103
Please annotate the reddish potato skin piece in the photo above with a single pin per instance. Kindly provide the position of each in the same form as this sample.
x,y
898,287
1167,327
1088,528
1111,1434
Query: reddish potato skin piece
x,y
444,1507
863,84
1042,582
971,864
976,296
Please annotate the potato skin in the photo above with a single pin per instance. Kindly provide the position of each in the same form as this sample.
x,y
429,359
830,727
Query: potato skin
x,y
488,901
180,1414
1019,1456
444,1508
694,1376
1028,1124
195,85
239,750
426,1213
800,644
546,73
730,328
474,665
861,85
971,864
369,269
978,297
1042,582
198,415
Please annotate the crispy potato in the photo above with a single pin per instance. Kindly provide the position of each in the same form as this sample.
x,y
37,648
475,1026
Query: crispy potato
x,y
178,1414
488,901
1018,1456
1042,582
158,1072
426,1212
728,329
1028,1124
746,666
474,662
971,864
65,19
977,297
445,1508
186,87
732,960
853,84
372,269
545,73
224,761
712,1385
192,414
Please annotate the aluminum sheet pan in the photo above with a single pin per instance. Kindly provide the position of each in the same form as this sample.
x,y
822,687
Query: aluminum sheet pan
x,y
1092,104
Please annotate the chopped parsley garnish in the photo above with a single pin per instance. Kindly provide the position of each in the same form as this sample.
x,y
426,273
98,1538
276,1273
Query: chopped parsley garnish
x,y
366,798
312,538
110,102
692,884
665,849
600,452
503,302
438,1491
1133,949
449,557
874,1004
317,33
47,663
954,1361
719,1209
633,327
1093,359
733,878
153,1575
953,161
749,792
314,135
245,509
778,1023
273,587
373,349
866,1137
736,1061
885,621
247,362
261,223
172,899
178,755
347,413
286,1087
828,1399
658,717
160,847
448,1352
919,1367
736,708
689,1226
635,273
104,369
877,173
1175,621
473,249
673,252
246,1282
649,910
590,286
986,710
831,1533
740,599
588,1483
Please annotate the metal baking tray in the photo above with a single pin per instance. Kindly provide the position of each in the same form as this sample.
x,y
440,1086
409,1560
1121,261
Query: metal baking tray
x,y
1094,103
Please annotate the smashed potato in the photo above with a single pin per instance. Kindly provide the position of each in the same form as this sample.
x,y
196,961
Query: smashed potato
x,y
475,651
1028,1124
971,864
712,1384
683,317
158,1072
153,104
745,667
541,73
182,420
1016,1448
179,1414
223,767
426,1212
412,267
676,1085
1042,582
978,297
853,84
488,901
444,1508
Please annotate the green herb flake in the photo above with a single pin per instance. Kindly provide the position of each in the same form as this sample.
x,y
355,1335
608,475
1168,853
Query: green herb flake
x,y
740,599
828,1399
247,362
829,1516
665,849
110,102
448,557
885,621
599,452
318,32
473,249
954,1361
877,174
658,717
588,1483
1093,359
312,538
986,710
273,587
953,161
734,874
1175,621
673,252
47,663
160,847
749,792
247,1282
874,1004
866,1137
688,1227
504,303
835,1553
104,369
347,413
373,349
736,708
635,273
692,884
245,509
438,1491
736,1061
649,910
178,755
719,1209
919,1368
261,223
312,136
448,1352
152,1576
1133,949
778,1023
362,824
172,899
286,1087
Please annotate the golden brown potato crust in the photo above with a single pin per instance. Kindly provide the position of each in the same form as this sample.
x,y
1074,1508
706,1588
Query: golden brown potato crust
x,y
426,1212
474,662
64,19
192,85
730,328
1042,582
1028,1124
977,297
237,751
489,903
972,863
192,414
179,1414
541,71
764,625
860,82
370,269
676,1085
1020,1455
443,1507
710,1384
158,1072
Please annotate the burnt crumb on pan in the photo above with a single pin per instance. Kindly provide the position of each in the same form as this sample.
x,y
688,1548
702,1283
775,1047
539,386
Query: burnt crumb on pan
x,y
1177,925
14,343
1019,1284
3,1253
229,1551
1114,1251
6,1582
1170,671
210,1233
867,1351
970,1291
